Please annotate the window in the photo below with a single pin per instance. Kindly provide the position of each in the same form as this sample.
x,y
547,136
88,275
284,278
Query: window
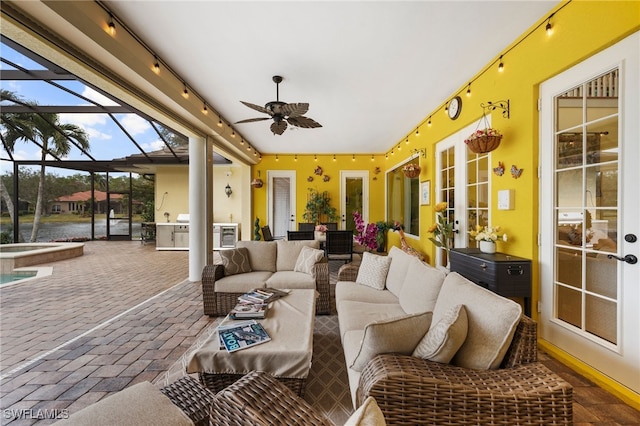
x,y
403,198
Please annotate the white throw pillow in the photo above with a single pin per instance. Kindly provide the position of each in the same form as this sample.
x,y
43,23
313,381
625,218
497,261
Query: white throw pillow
x,y
368,414
396,335
373,270
235,261
443,340
307,259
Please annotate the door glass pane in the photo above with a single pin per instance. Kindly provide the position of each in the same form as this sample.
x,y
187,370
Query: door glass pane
x,y
353,201
403,198
477,193
281,206
586,181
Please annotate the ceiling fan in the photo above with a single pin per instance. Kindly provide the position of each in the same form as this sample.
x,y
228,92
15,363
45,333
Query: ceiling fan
x,y
282,113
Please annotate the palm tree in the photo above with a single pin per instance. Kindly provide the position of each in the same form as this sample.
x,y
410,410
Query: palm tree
x,y
54,138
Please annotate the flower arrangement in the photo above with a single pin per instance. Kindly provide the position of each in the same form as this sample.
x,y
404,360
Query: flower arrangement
x,y
367,234
442,230
321,228
488,233
411,170
485,140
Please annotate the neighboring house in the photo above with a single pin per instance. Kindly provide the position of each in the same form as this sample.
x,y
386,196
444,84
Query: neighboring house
x,y
79,203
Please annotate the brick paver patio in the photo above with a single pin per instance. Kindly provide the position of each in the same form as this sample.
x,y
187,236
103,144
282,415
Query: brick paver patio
x,y
120,314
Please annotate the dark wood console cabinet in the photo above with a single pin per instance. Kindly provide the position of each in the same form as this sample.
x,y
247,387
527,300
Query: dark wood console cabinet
x,y
506,275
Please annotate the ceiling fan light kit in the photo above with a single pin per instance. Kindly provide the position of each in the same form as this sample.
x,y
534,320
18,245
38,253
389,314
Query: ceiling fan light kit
x,y
282,113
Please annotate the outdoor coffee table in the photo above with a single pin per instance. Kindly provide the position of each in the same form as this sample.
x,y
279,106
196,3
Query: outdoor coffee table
x,y
287,355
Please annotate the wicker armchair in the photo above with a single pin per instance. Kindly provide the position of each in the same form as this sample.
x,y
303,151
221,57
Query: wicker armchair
x,y
257,399
219,304
414,391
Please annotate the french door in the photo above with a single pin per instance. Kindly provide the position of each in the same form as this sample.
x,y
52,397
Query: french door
x,y
281,202
354,196
462,181
590,210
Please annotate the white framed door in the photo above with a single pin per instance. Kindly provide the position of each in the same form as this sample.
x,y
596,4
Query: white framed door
x,y
281,202
590,210
462,181
354,196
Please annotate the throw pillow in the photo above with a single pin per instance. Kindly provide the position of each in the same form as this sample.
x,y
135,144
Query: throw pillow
x,y
368,414
235,261
373,270
307,259
395,335
443,340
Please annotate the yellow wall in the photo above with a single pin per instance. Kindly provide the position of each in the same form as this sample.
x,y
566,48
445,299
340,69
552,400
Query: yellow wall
x,y
227,209
580,29
172,194
304,166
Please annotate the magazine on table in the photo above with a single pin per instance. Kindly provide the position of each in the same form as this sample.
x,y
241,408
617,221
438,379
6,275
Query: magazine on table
x,y
262,295
249,310
241,335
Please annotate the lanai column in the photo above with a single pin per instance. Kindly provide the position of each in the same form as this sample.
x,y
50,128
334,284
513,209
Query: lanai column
x,y
197,210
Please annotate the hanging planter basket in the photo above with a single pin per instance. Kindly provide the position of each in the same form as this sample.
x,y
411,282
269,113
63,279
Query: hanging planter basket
x,y
257,183
412,173
484,144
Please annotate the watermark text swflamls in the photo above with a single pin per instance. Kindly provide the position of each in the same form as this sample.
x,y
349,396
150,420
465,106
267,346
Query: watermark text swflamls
x,y
35,414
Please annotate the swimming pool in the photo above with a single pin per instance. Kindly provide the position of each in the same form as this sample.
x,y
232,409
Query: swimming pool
x,y
16,276
19,255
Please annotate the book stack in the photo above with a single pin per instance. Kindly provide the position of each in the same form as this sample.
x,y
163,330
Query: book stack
x,y
240,335
245,310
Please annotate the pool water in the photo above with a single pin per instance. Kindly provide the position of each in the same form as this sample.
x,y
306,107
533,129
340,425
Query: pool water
x,y
16,276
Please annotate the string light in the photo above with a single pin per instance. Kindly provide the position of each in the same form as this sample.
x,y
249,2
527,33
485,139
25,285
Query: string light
x,y
205,110
248,147
315,157
429,122
233,133
334,157
111,25
353,157
400,147
185,91
277,159
156,65
295,158
469,90
242,141
417,133
219,121
549,28
501,65
372,157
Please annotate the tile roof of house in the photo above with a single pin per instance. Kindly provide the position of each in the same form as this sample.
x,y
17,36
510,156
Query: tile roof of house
x,y
86,196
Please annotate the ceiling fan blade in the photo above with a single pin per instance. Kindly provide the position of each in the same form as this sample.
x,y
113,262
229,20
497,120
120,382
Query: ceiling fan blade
x,y
257,107
305,122
251,120
278,127
295,110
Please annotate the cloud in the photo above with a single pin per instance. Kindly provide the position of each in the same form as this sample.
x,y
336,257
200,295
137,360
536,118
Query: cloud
x,y
84,120
156,145
97,134
99,98
135,125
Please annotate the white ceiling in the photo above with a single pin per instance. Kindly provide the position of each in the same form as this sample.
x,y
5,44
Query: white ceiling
x,y
371,71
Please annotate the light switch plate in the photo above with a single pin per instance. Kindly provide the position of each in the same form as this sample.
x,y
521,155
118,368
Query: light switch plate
x,y
505,199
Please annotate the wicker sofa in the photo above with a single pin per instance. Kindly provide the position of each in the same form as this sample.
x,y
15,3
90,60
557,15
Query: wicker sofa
x,y
270,264
514,389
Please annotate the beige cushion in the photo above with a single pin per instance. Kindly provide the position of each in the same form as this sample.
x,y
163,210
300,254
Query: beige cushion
x,y
307,260
397,335
443,340
291,279
373,270
139,404
492,321
397,270
235,261
288,252
368,414
262,254
421,287
242,283
353,315
349,290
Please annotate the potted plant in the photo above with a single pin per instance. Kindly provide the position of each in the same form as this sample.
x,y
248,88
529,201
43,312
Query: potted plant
x,y
411,170
485,140
381,236
487,237
318,208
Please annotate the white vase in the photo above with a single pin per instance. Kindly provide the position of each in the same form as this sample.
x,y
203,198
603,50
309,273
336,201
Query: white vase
x,y
488,247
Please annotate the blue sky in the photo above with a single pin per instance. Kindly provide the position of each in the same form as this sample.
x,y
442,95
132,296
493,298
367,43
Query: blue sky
x,y
107,141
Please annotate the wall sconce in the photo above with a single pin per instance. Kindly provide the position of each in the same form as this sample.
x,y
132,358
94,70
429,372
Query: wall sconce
x,y
228,191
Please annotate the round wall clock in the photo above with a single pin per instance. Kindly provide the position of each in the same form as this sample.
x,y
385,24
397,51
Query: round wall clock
x,y
455,106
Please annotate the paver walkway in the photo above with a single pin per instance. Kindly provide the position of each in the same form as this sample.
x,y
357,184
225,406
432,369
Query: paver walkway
x,y
120,314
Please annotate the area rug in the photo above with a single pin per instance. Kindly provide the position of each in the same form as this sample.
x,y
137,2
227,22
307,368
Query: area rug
x,y
327,388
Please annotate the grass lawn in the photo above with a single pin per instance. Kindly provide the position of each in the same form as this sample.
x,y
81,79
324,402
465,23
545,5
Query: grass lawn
x,y
61,218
